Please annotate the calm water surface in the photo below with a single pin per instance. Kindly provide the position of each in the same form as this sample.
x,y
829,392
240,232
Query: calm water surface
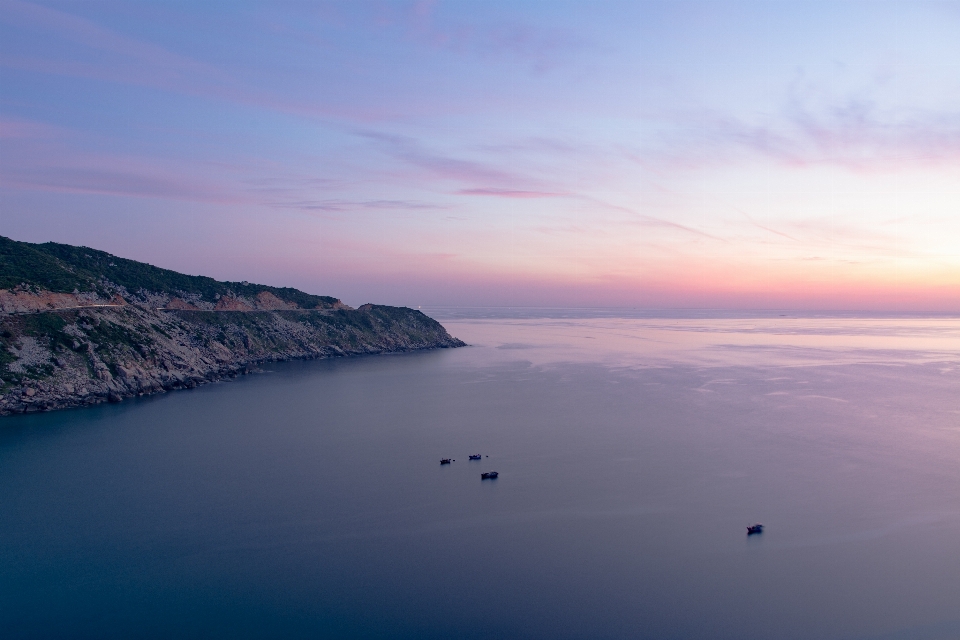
x,y
307,501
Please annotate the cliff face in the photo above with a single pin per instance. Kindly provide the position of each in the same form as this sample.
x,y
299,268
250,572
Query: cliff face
x,y
105,341
58,359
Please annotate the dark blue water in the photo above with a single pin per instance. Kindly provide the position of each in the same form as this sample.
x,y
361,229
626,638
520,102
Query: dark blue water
x,y
308,501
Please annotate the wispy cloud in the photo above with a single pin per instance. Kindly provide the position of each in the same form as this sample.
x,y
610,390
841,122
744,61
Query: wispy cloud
x,y
508,193
635,217
117,181
22,129
99,53
445,167
352,205
767,228
524,41
858,136
152,64
42,157
511,142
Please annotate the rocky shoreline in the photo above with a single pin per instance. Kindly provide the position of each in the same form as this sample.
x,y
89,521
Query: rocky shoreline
x,y
73,357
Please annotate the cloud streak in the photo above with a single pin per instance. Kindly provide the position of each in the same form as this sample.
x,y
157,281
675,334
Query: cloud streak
x,y
856,137
544,147
347,205
515,194
445,167
22,129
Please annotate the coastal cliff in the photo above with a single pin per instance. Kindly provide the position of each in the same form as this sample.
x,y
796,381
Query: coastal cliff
x,y
80,327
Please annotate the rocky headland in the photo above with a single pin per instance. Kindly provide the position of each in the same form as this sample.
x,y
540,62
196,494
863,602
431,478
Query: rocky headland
x,y
80,327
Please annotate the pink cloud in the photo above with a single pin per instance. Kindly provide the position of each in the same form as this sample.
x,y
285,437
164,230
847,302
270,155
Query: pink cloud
x,y
52,165
855,136
18,129
117,181
647,220
430,23
509,193
90,34
144,64
445,167
334,205
445,278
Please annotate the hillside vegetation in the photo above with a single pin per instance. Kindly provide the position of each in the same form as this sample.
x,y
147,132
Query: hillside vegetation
x,y
64,268
80,326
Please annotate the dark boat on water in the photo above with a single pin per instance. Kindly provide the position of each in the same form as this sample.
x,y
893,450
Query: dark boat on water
x,y
754,528
489,475
445,460
476,457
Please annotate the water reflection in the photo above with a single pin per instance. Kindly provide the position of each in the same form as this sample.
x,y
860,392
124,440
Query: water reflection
x,y
307,502
769,341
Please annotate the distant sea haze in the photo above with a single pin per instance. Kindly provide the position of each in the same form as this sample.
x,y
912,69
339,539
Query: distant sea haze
x,y
633,449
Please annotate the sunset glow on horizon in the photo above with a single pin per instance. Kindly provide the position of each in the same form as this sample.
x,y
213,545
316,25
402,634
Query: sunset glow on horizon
x,y
751,155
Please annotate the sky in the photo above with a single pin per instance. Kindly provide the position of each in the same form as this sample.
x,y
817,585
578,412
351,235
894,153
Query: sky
x,y
742,155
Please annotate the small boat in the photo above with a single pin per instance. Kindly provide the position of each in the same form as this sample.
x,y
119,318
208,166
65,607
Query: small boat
x,y
445,460
754,528
489,475
476,457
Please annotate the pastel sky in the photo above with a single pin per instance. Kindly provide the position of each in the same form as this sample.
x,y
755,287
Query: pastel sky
x,y
656,154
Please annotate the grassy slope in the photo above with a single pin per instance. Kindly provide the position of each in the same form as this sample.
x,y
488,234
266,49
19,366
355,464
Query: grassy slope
x,y
66,268
24,263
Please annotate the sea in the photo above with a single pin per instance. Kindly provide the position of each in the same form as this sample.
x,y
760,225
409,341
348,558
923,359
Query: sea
x,y
633,450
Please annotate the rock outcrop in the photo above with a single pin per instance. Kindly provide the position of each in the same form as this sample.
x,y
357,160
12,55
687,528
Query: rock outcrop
x,y
80,326
74,357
